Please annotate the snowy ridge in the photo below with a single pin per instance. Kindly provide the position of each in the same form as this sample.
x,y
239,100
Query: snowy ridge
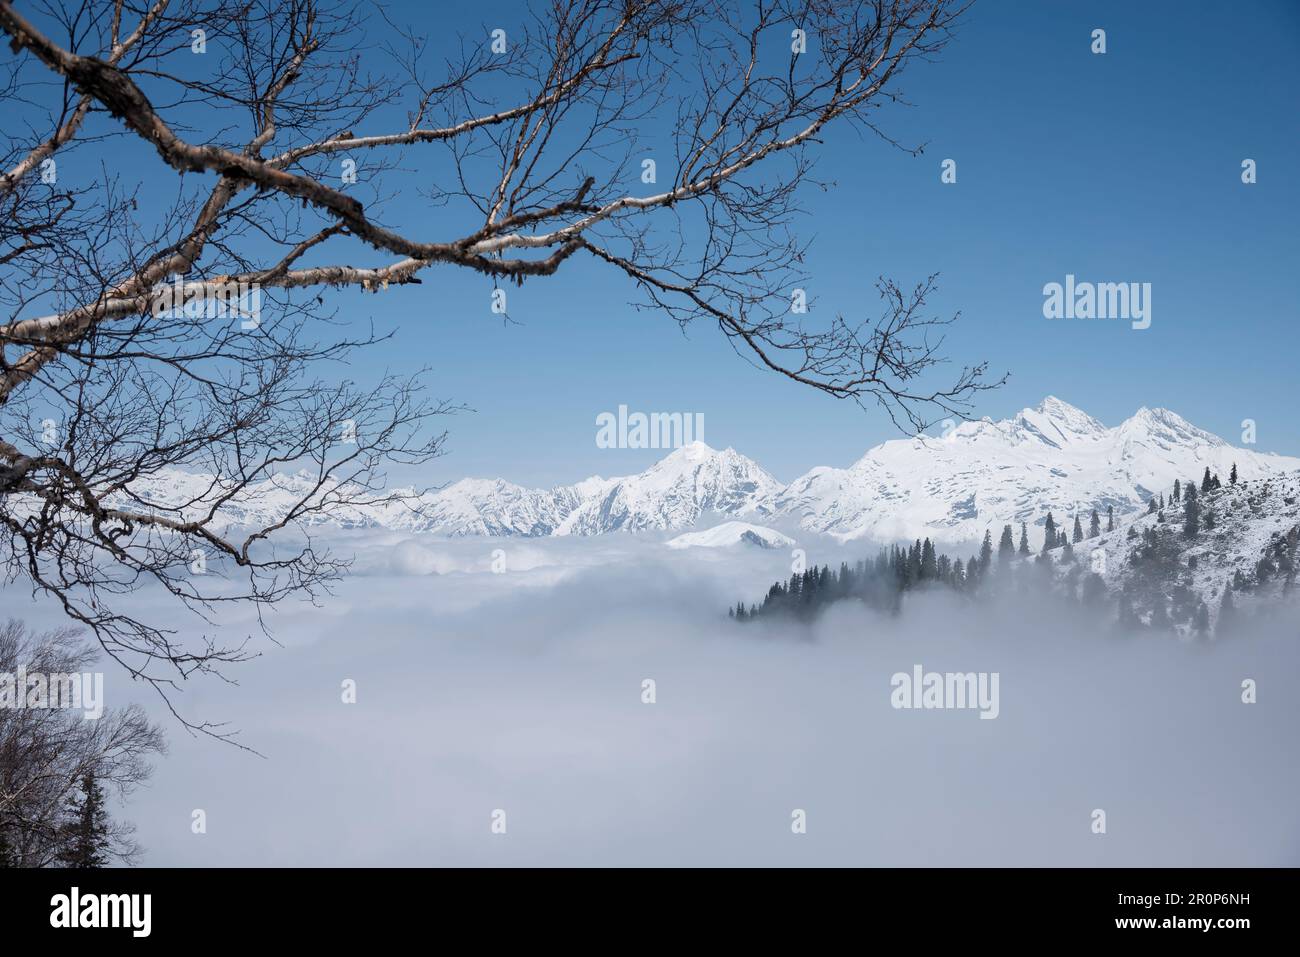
x,y
978,476
984,473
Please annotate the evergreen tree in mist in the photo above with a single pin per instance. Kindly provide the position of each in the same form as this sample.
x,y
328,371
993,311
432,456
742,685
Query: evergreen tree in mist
x,y
1078,530
1049,533
1110,518
1227,611
986,553
1201,624
1207,483
1094,527
1024,539
1006,547
1232,476
1191,514
929,563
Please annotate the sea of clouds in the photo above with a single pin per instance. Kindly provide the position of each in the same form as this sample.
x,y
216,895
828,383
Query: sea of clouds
x,y
521,690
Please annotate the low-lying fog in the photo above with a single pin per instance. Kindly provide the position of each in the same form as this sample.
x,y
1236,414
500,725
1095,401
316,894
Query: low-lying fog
x,y
522,691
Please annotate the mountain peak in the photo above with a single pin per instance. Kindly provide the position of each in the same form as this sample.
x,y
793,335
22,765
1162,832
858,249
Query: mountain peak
x,y
1051,405
1168,427
692,451
1054,423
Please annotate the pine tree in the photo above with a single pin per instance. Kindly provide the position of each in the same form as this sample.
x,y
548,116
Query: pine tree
x,y
1078,529
1093,593
1094,526
1024,539
986,553
1191,516
1202,622
1227,611
929,566
1151,506
1049,533
86,833
1232,476
1110,518
1206,482
1006,546
1177,491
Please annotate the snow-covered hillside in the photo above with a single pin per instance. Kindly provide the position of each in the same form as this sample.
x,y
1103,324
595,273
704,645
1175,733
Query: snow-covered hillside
x,y
1246,541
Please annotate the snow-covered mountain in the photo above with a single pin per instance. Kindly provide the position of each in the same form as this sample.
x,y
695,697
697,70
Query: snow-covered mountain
x,y
730,534
692,483
983,474
674,493
979,475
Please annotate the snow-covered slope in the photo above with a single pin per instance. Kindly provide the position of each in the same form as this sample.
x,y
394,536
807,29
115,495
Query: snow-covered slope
x,y
1246,541
730,534
983,474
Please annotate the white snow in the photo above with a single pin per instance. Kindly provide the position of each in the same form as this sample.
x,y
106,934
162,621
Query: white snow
x,y
730,534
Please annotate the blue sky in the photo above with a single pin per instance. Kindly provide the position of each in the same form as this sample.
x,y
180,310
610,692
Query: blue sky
x,y
1116,167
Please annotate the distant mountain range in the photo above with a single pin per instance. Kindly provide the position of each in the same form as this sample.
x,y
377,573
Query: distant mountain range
x,y
981,474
